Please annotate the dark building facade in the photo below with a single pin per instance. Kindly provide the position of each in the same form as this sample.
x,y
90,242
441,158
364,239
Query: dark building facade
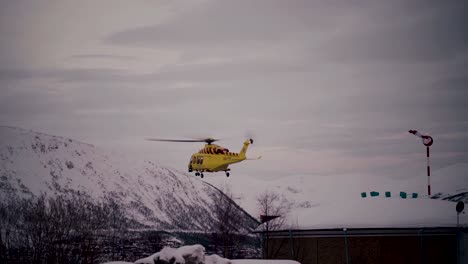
x,y
370,246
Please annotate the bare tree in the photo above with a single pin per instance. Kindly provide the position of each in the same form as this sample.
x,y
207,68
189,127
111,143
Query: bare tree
x,y
270,204
229,226
58,229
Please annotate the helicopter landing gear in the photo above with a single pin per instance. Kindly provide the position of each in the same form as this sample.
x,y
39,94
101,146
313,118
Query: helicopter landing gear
x,y
227,174
190,169
201,175
197,174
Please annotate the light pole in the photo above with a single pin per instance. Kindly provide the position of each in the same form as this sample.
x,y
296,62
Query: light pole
x,y
346,245
427,141
264,220
460,256
460,206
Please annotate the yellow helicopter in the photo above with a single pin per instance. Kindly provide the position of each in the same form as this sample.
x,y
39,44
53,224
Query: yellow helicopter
x,y
212,157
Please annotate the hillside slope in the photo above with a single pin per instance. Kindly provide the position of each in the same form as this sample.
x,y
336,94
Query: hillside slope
x,y
32,163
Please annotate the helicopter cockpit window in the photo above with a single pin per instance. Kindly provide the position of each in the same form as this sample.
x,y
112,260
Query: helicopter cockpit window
x,y
201,160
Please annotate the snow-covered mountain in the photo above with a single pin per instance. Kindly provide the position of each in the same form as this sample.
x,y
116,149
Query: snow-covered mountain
x,y
306,191
32,163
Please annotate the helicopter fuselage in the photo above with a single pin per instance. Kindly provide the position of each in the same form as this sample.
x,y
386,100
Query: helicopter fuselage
x,y
213,158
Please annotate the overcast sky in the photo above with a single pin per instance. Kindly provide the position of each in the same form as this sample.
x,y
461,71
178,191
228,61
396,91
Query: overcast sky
x,y
326,87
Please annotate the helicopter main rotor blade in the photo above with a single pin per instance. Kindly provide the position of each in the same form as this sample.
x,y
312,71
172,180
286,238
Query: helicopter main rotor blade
x,y
175,140
207,140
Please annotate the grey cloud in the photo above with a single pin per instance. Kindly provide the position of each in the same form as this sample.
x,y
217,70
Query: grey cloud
x,y
396,31
89,75
35,104
226,23
190,72
305,75
436,32
17,74
64,75
229,71
102,56
449,95
451,84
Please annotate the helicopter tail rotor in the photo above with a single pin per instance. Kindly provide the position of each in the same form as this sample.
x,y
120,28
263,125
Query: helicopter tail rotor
x,y
257,158
250,135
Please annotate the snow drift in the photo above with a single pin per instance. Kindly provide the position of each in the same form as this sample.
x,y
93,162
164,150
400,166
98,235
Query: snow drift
x,y
195,254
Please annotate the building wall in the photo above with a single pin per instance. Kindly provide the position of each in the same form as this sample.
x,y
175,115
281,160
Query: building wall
x,y
463,247
366,250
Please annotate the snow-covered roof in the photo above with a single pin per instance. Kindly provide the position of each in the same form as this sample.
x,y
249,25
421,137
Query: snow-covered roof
x,y
311,189
375,213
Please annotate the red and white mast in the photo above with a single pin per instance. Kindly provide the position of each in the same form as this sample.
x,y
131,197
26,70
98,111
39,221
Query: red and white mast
x,y
427,141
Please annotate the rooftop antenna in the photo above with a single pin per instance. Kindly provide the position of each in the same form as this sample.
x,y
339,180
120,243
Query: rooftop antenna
x,y
459,208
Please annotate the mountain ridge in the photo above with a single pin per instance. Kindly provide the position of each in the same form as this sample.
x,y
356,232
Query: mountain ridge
x,y
32,163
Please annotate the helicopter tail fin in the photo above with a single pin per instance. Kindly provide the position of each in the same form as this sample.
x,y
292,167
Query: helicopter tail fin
x,y
244,148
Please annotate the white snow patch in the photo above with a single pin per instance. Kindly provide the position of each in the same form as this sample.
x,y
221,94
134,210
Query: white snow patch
x,y
215,259
168,254
147,260
119,262
263,261
193,254
175,240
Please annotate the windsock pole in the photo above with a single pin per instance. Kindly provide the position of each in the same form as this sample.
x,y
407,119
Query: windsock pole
x,y
427,141
428,173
